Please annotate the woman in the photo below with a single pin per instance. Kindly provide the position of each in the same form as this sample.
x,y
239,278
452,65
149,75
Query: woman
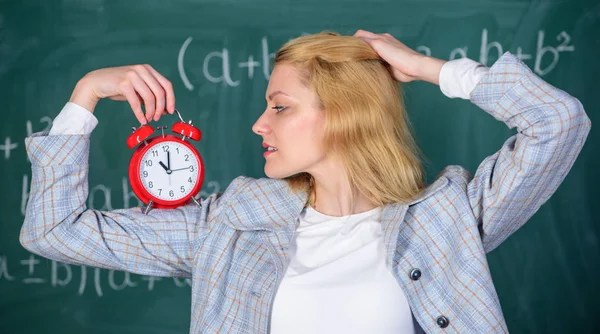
x,y
343,236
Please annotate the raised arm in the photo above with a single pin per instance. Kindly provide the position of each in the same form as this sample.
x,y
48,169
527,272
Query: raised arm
x,y
510,185
59,226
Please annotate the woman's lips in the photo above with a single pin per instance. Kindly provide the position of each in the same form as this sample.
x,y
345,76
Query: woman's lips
x,y
268,153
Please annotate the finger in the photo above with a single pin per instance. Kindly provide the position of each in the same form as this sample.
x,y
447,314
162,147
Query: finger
x,y
139,98
141,88
164,112
157,89
374,43
401,77
388,36
391,39
365,33
367,40
167,86
134,101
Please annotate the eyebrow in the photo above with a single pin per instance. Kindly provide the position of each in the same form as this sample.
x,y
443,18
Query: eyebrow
x,y
270,97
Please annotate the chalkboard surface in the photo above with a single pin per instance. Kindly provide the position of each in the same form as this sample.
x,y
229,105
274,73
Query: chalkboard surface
x,y
217,55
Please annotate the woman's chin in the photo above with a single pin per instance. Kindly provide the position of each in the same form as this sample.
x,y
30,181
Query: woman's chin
x,y
275,173
272,174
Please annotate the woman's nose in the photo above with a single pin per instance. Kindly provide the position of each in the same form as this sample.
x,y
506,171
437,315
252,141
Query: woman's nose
x,y
260,127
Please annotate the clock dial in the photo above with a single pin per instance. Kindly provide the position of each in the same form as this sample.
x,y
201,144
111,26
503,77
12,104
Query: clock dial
x,y
169,170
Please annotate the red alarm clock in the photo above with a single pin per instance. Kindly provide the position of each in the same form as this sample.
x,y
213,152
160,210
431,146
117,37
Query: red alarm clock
x,y
165,171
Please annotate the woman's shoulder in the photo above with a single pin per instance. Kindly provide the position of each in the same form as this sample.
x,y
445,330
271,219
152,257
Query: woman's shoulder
x,y
457,177
254,204
456,173
451,178
249,189
246,183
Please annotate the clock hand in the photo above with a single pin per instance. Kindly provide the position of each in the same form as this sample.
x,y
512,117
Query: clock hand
x,y
165,167
168,160
180,168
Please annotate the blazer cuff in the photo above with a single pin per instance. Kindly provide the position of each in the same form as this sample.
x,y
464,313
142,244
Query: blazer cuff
x,y
44,150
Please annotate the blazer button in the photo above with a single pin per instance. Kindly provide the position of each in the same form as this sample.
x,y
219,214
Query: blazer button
x,y
415,274
442,321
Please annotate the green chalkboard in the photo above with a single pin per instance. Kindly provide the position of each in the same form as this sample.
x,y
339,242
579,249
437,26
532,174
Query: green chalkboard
x,y
217,55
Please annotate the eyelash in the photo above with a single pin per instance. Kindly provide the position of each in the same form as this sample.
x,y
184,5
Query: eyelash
x,y
279,108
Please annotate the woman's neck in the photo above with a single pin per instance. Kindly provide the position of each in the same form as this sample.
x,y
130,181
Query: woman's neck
x,y
334,196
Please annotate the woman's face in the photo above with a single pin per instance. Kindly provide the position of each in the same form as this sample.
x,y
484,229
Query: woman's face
x,y
292,124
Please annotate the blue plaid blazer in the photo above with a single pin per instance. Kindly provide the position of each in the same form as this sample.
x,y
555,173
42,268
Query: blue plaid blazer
x,y
235,246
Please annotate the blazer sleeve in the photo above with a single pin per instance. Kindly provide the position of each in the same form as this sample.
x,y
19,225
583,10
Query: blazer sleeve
x,y
58,225
510,185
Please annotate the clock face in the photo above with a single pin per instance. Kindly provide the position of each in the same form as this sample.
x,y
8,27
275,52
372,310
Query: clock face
x,y
169,170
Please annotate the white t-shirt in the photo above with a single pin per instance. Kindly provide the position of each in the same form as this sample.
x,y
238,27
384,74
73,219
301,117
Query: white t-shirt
x,y
337,280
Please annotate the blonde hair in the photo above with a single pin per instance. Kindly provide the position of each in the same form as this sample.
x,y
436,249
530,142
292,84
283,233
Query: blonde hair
x,y
367,126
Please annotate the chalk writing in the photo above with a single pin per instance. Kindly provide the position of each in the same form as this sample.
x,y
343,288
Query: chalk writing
x,y
55,280
541,51
125,283
223,58
4,269
7,147
31,262
62,275
227,61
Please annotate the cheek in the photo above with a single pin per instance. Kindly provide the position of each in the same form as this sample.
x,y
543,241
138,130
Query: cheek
x,y
301,148
304,140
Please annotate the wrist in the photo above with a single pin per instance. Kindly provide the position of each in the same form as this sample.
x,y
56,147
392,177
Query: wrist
x,y
84,96
430,69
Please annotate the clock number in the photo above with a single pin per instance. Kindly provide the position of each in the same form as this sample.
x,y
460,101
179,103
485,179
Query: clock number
x,y
145,173
187,157
182,189
165,148
154,153
177,149
148,163
159,192
190,180
171,193
150,184
191,168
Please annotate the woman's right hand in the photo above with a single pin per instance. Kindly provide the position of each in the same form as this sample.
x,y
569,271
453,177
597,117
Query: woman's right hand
x,y
137,84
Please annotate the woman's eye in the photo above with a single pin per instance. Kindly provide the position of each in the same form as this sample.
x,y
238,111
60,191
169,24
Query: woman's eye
x,y
279,108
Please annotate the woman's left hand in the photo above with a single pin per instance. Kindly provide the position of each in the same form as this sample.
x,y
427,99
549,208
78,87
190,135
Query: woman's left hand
x,y
407,64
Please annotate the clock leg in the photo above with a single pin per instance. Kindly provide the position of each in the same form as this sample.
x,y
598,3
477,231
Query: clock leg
x,y
196,201
148,207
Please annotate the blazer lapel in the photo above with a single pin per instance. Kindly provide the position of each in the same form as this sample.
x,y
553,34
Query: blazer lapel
x,y
263,204
269,204
392,217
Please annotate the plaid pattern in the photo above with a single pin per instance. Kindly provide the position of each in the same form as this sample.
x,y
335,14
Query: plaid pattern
x,y
235,246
